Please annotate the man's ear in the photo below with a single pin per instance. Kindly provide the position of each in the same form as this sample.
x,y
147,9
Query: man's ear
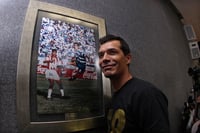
x,y
128,58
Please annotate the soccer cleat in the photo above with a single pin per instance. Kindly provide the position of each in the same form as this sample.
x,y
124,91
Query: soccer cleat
x,y
49,98
72,78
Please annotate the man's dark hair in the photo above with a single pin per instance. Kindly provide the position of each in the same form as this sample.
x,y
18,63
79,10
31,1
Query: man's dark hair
x,y
124,46
54,50
78,43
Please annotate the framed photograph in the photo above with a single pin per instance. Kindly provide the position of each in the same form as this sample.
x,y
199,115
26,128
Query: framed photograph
x,y
59,84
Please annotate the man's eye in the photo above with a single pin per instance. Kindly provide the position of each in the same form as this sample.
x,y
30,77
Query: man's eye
x,y
100,55
112,52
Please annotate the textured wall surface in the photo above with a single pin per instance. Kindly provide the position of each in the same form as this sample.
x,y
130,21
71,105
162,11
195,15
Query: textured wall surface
x,y
154,32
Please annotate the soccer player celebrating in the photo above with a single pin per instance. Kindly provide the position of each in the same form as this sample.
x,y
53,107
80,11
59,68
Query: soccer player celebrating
x,y
52,73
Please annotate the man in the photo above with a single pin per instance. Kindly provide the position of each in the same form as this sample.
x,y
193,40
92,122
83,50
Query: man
x,y
79,60
136,106
52,73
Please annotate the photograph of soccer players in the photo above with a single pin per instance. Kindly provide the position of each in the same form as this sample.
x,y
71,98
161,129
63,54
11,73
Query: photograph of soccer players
x,y
67,76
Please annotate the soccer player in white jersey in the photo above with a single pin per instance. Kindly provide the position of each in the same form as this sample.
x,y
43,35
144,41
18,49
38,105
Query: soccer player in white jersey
x,y
52,73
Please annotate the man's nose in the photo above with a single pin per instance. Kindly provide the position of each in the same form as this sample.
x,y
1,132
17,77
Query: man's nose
x,y
105,57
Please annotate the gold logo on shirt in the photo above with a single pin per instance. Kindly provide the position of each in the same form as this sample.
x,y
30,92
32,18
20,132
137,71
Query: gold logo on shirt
x,y
118,120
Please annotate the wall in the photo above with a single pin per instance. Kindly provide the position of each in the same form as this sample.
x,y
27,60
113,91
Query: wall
x,y
158,43
190,10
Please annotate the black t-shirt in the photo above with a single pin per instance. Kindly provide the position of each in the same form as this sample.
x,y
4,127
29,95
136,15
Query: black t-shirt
x,y
138,107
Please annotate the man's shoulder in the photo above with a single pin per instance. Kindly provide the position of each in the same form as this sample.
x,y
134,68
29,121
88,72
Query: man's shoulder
x,y
142,82
146,88
144,85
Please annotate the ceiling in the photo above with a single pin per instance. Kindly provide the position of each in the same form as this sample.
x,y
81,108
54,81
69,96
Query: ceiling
x,y
190,11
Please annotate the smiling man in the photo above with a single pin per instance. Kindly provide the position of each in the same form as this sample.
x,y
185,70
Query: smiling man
x,y
137,105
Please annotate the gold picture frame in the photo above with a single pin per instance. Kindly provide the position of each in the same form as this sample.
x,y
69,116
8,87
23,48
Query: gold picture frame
x,y
30,118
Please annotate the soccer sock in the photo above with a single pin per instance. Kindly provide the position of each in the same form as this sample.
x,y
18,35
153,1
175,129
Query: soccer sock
x,y
62,92
49,93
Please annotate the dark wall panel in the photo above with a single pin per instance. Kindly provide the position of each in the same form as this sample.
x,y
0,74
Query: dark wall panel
x,y
153,30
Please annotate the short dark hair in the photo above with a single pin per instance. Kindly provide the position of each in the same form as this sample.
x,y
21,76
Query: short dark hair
x,y
124,45
54,50
78,43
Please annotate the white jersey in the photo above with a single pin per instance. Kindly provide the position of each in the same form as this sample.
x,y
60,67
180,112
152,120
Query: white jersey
x,y
51,72
52,65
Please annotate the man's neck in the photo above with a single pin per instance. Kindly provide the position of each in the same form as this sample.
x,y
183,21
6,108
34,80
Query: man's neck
x,y
117,83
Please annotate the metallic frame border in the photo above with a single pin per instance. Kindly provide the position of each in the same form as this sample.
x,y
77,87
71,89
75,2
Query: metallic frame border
x,y
23,73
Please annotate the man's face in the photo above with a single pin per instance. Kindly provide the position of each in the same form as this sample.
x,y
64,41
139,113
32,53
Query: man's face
x,y
76,46
112,60
54,53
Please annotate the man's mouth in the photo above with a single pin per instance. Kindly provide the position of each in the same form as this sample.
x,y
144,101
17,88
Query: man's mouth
x,y
108,66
